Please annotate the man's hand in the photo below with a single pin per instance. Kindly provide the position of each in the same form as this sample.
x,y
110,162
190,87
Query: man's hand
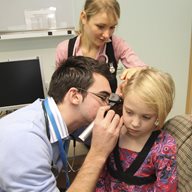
x,y
105,132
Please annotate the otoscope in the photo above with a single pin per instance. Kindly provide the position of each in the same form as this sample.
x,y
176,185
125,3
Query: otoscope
x,y
115,102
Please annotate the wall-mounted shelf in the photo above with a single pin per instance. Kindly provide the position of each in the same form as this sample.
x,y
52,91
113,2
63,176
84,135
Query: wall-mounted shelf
x,y
36,33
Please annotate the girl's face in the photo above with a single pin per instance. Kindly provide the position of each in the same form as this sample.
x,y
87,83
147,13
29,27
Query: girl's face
x,y
139,119
99,28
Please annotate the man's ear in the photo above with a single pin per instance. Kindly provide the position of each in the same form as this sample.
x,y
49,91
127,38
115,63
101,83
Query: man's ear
x,y
83,17
75,96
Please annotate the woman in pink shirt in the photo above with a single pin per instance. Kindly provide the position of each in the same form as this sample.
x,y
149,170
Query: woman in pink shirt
x,y
95,38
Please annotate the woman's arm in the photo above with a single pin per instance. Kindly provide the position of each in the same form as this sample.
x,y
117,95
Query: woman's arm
x,y
124,53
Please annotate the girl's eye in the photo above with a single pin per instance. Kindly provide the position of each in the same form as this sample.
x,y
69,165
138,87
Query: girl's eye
x,y
146,117
129,113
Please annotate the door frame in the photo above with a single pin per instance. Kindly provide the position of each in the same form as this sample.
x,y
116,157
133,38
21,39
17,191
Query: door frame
x,y
188,108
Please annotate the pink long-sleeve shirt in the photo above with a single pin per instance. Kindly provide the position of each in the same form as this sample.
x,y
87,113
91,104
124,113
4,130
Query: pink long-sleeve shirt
x,y
122,52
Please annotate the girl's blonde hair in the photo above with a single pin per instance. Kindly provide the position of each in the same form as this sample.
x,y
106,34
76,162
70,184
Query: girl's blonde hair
x,y
93,7
155,88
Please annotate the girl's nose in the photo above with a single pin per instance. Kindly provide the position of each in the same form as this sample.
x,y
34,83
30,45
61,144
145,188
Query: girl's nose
x,y
136,122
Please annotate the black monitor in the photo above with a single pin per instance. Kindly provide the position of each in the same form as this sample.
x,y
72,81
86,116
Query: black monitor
x,y
21,83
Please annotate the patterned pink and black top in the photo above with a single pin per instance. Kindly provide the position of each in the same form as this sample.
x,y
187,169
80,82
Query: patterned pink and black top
x,y
161,161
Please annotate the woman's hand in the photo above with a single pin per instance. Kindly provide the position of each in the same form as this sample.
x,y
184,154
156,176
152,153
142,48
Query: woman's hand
x,y
125,76
128,73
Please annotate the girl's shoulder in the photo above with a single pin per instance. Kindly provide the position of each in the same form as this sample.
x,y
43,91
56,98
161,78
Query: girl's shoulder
x,y
165,144
165,137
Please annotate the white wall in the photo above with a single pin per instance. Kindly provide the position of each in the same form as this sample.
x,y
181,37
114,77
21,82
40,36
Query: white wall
x,y
16,20
158,31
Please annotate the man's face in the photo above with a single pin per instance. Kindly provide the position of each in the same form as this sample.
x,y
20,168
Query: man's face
x,y
95,98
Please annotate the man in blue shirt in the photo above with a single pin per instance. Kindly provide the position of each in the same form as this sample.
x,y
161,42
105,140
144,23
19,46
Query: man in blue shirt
x,y
32,138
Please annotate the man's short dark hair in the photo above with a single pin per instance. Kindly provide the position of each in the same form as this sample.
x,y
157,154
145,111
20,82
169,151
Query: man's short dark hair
x,y
76,71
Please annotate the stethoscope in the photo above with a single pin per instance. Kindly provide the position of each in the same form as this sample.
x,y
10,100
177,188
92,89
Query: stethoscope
x,y
62,146
103,57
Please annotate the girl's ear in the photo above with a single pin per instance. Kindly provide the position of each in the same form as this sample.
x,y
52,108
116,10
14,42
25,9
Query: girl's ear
x,y
156,122
75,96
83,17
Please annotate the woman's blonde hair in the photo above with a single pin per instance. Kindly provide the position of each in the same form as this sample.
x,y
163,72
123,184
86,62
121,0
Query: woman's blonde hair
x,y
155,88
93,7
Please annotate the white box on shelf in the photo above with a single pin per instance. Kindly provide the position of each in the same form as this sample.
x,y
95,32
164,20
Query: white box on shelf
x,y
40,19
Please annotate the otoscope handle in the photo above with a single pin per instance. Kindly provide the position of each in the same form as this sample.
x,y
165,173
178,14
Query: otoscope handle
x,y
87,132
